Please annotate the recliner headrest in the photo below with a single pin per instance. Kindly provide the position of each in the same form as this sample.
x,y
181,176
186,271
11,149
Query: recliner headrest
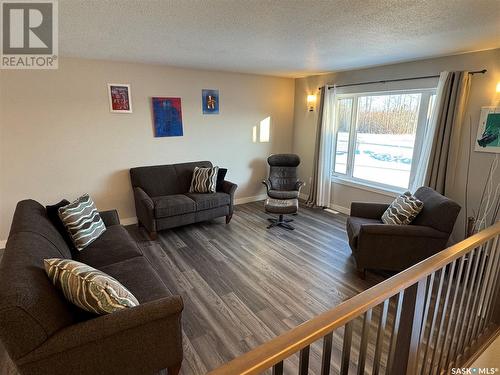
x,y
283,160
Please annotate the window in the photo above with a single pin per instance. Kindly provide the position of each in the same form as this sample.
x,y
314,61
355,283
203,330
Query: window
x,y
379,136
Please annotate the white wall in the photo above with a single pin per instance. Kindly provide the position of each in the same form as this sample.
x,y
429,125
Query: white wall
x,y
58,138
482,94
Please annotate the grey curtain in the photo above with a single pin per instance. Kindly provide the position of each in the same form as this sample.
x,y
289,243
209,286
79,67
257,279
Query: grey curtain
x,y
313,190
449,115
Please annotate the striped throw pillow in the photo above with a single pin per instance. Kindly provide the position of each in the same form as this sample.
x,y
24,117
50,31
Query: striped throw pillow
x,y
204,180
403,210
82,221
88,288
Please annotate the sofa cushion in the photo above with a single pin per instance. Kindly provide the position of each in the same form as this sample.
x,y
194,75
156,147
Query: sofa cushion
x,y
90,289
283,194
171,205
31,216
83,222
138,276
208,201
354,226
53,215
31,309
115,245
184,173
439,212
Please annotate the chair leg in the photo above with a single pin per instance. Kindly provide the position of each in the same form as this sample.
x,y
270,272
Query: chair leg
x,y
175,369
228,218
153,235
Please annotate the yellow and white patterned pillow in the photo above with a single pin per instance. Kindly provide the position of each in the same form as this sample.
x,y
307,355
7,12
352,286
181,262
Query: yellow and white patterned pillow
x,y
88,288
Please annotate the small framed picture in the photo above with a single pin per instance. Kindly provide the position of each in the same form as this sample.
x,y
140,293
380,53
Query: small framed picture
x,y
120,100
210,101
488,131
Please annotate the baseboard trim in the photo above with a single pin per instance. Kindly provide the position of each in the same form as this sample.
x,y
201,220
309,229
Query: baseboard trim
x,y
133,220
343,210
255,198
334,207
129,221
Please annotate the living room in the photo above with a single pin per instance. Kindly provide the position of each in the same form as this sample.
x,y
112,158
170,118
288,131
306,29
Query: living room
x,y
150,99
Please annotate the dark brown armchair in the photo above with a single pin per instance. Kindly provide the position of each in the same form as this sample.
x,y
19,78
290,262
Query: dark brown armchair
x,y
376,245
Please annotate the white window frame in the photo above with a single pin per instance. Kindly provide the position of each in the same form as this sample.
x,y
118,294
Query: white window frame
x,y
348,178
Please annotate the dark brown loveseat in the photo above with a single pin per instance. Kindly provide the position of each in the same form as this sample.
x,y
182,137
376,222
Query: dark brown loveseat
x,y
45,334
376,245
162,198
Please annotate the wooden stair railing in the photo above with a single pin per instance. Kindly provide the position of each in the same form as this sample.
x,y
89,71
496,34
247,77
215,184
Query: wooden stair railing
x,y
429,318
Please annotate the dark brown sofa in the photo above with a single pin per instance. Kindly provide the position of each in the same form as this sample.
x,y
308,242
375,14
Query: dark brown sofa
x,y
162,198
376,245
45,334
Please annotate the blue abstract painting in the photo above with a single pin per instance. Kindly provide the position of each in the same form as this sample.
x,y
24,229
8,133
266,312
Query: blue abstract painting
x,y
210,101
167,114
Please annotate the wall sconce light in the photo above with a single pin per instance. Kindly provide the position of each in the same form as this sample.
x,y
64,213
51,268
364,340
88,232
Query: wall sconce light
x,y
498,86
311,102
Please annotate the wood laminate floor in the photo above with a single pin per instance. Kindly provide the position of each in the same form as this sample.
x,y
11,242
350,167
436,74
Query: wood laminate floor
x,y
243,284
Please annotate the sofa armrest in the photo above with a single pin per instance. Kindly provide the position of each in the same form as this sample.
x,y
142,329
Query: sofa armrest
x,y
368,210
110,217
401,231
396,247
145,199
149,332
144,208
229,188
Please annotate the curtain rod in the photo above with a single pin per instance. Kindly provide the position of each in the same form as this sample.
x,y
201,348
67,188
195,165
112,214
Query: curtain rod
x,y
397,80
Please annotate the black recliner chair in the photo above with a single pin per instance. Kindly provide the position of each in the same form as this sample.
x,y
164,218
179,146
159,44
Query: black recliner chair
x,y
283,188
283,182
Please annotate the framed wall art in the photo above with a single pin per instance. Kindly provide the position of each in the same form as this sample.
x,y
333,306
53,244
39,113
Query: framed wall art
x,y
210,101
167,117
488,131
120,100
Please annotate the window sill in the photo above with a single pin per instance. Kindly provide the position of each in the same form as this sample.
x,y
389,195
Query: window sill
x,y
390,192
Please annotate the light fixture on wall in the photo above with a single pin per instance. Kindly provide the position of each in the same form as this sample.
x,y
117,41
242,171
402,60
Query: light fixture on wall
x,y
498,86
311,102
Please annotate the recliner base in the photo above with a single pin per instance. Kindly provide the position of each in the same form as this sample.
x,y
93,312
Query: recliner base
x,y
280,222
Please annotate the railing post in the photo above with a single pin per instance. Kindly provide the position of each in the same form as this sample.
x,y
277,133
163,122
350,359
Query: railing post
x,y
496,300
408,339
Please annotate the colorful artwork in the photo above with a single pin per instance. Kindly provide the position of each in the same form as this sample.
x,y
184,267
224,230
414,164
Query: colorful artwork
x,y
167,113
488,132
119,98
210,101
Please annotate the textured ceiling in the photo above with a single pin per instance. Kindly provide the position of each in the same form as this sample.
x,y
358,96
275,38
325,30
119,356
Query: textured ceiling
x,y
280,37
